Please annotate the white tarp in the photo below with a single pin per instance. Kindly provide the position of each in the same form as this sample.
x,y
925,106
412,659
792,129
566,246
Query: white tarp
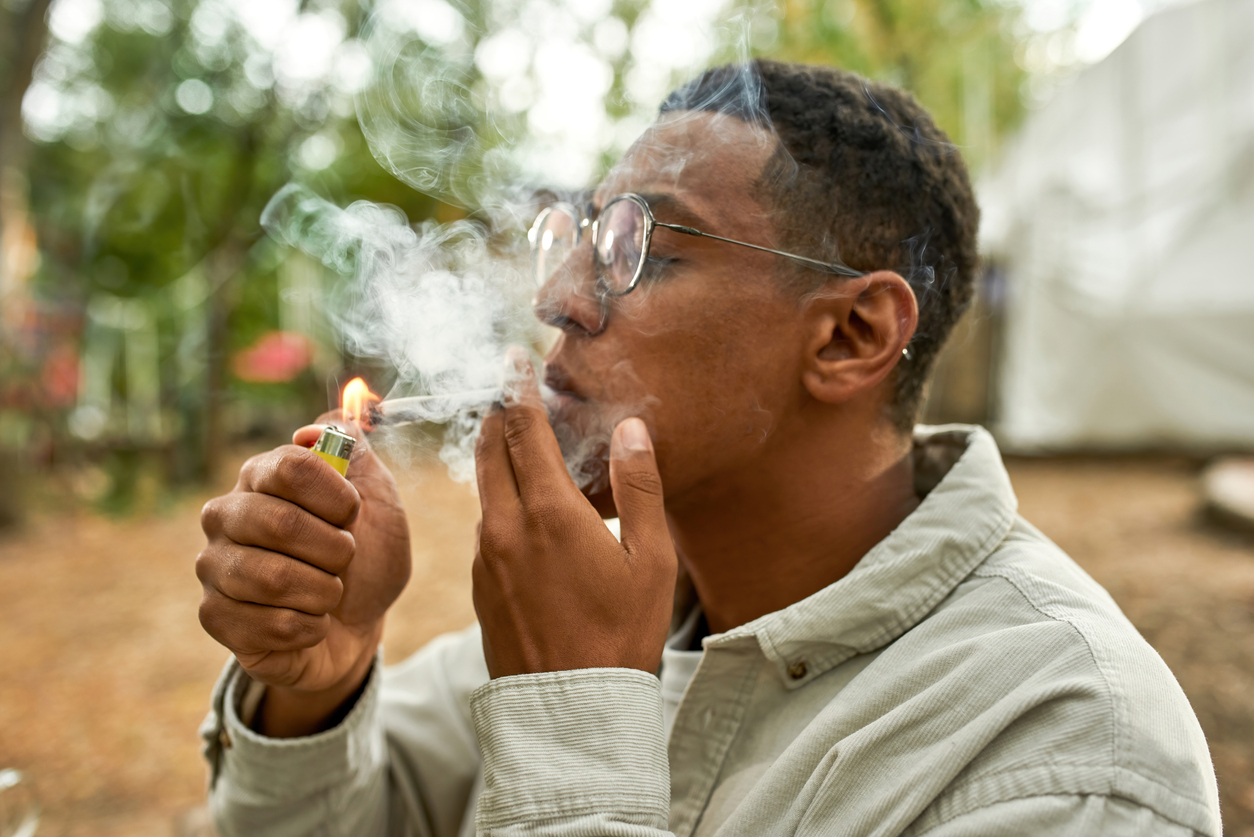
x,y
1123,218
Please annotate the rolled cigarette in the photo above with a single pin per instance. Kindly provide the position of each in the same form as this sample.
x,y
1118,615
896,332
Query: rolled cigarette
x,y
436,408
431,408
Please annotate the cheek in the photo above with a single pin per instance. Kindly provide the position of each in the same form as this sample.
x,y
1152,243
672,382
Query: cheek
x,y
716,387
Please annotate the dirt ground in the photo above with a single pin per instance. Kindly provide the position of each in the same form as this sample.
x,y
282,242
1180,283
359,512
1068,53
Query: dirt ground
x,y
105,672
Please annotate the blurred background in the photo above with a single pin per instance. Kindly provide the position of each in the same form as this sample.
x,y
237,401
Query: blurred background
x,y
152,336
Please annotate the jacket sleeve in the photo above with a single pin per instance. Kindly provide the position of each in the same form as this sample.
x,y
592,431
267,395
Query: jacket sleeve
x,y
404,760
1062,816
572,754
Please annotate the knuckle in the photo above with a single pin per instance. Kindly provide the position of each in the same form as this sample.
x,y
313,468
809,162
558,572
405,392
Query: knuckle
x,y
520,423
290,524
278,577
251,466
334,592
290,626
352,503
211,516
294,471
336,552
644,481
344,505
347,549
204,565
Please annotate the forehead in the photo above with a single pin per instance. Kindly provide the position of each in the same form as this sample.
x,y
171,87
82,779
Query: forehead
x,y
710,161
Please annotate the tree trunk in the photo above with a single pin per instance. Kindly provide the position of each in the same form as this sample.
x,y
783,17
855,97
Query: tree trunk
x,y
26,31
23,34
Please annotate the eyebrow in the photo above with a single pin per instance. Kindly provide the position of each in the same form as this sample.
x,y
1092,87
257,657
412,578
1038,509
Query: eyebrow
x,y
672,210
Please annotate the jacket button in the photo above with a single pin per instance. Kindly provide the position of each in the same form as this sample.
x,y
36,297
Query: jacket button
x,y
797,670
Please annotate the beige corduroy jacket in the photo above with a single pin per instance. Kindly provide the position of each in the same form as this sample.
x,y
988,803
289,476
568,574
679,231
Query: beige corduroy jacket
x,y
966,678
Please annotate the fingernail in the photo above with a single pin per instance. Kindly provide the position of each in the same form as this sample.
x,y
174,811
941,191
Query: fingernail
x,y
634,435
516,360
518,372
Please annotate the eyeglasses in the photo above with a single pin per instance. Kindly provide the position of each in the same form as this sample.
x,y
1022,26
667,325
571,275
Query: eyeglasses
x,y
621,235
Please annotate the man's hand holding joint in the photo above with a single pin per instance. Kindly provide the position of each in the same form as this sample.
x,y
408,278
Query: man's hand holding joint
x,y
553,589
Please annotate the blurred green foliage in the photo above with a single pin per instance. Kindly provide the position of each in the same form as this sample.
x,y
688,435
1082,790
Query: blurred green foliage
x,y
162,130
956,56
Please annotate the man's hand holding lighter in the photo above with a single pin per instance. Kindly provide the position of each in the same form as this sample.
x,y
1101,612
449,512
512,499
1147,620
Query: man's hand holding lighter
x,y
300,568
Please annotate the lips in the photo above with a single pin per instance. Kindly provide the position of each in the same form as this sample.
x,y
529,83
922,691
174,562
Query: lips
x,y
557,379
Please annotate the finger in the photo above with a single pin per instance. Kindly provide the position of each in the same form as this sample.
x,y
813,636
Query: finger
x,y
302,477
533,449
247,628
498,490
249,574
271,523
307,435
637,491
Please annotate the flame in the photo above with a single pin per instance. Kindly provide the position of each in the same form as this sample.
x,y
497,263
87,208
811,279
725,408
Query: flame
x,y
355,402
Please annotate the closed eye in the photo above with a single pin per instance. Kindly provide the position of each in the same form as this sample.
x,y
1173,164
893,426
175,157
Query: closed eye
x,y
656,267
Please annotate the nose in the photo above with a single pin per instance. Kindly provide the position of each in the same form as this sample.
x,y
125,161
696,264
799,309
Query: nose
x,y
569,299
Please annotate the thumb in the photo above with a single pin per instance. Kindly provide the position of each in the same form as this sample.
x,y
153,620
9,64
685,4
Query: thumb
x,y
307,435
638,490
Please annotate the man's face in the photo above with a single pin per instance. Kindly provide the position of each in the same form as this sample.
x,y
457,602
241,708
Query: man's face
x,y
706,349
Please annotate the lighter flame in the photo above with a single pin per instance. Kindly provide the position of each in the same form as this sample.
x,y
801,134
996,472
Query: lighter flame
x,y
355,402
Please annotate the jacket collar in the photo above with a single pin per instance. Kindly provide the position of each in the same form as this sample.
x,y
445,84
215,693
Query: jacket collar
x,y
968,509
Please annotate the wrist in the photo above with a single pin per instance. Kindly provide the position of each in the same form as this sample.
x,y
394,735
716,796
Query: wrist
x,y
289,712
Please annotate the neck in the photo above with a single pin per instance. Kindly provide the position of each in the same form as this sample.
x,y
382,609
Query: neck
x,y
795,521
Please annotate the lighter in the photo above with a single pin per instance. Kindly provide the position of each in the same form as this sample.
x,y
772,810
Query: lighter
x,y
335,446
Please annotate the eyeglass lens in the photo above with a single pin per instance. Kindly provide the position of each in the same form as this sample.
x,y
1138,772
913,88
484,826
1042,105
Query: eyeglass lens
x,y
619,244
555,235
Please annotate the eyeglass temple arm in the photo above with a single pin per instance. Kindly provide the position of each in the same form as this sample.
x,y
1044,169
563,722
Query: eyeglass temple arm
x,y
831,267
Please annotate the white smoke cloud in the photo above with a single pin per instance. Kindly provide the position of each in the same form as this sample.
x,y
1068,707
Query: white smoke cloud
x,y
440,304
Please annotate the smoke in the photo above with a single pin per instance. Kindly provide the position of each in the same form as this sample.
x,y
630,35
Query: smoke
x,y
440,304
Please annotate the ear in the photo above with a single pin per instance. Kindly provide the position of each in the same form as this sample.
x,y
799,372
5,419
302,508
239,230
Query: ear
x,y
857,330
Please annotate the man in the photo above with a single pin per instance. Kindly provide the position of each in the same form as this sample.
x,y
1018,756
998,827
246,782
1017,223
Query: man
x,y
877,643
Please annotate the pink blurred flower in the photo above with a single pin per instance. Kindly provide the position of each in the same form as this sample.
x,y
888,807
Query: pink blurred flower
x,y
277,356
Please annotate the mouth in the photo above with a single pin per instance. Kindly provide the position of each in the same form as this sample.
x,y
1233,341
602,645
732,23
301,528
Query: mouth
x,y
576,424
562,385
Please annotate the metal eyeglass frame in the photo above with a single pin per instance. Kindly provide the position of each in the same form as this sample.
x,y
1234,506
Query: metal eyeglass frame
x,y
838,267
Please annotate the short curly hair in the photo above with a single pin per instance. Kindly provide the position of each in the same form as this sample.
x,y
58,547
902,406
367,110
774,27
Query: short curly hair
x,y
863,174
